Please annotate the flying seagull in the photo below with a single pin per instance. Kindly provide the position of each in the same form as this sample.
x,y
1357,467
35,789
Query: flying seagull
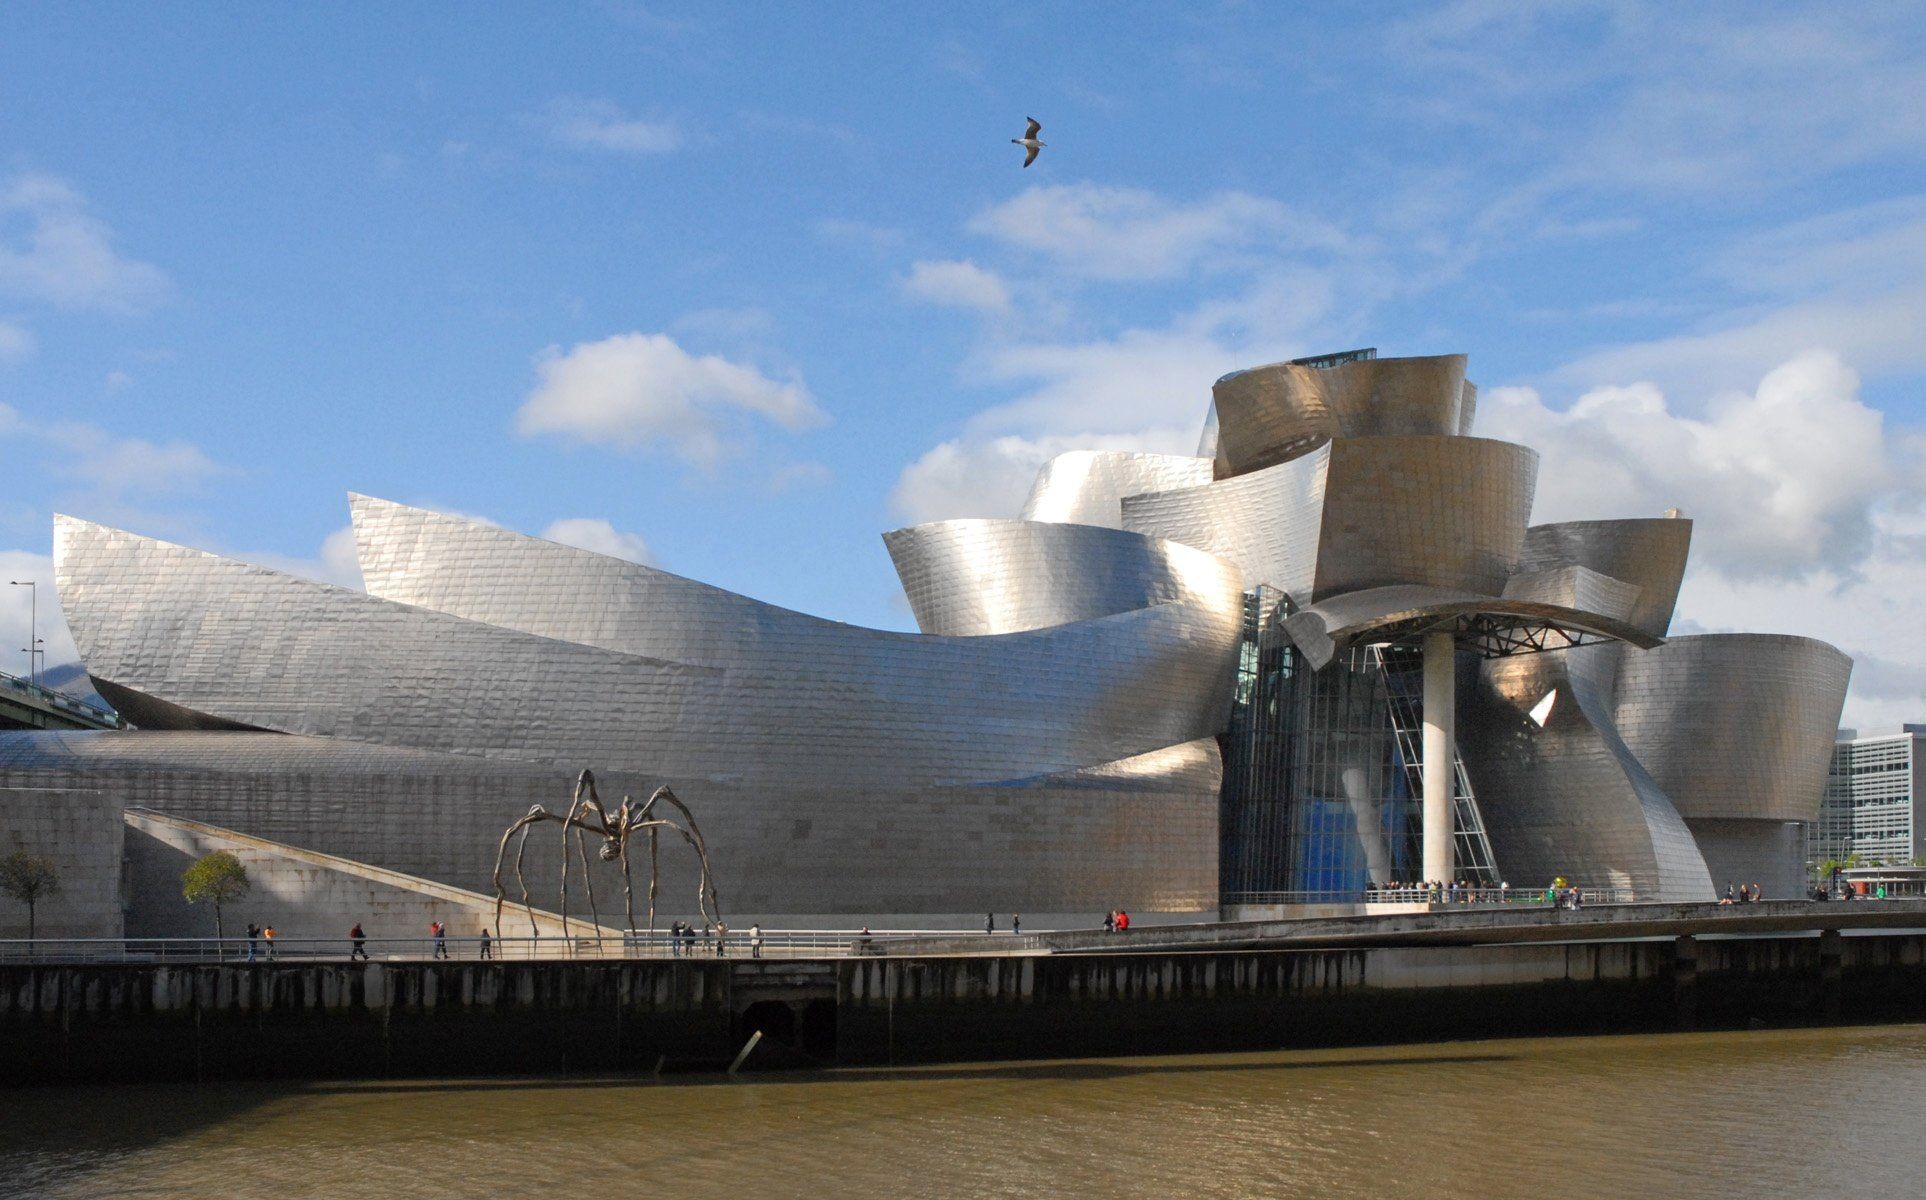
x,y
1029,141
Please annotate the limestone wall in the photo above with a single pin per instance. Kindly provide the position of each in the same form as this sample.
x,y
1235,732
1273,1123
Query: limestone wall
x,y
81,832
304,894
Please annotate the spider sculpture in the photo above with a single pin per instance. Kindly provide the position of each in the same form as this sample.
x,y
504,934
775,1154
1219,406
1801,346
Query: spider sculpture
x,y
588,816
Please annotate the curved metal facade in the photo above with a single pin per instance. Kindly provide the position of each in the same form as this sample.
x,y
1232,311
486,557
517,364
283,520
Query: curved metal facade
x,y
1446,512
1568,797
265,650
1087,487
1735,725
977,577
1048,743
1649,554
1272,414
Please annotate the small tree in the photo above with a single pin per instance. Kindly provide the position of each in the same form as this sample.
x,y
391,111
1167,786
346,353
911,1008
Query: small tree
x,y
218,877
28,878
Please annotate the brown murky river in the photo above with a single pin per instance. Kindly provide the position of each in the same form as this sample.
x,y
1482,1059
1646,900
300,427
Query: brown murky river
x,y
1805,1113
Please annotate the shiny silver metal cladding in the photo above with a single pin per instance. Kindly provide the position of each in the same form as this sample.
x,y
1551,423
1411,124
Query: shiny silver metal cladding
x,y
1445,512
1735,725
777,700
1087,487
1649,553
1567,797
1272,414
979,577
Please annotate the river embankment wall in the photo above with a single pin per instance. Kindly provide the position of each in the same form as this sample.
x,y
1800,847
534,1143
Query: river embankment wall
x,y
290,1019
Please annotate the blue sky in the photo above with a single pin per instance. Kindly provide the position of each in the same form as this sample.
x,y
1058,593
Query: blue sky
x,y
739,288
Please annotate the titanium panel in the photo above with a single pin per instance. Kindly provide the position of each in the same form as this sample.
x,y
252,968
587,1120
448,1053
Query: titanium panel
x,y
1736,725
1087,487
1568,797
979,577
1445,512
1650,553
1272,414
838,706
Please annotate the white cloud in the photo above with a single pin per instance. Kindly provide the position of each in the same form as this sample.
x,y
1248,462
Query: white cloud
x,y
586,124
16,344
53,250
599,536
958,284
1684,100
989,477
1847,280
642,390
1121,233
115,466
1782,482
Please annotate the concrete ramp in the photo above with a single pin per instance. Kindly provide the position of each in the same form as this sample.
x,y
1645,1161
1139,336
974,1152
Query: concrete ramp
x,y
306,894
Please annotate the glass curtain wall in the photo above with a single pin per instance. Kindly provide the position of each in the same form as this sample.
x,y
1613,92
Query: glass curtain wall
x,y
1315,804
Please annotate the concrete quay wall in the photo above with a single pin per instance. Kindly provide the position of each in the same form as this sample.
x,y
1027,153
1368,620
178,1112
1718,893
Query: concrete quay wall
x,y
318,1020
977,1007
82,1022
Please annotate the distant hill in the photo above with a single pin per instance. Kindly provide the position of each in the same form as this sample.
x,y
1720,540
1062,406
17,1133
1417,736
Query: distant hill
x,y
71,679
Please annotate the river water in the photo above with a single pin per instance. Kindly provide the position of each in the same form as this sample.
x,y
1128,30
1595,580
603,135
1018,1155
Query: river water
x,y
1801,1113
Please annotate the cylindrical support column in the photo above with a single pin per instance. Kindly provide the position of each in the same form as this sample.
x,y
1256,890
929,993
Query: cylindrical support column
x,y
1440,728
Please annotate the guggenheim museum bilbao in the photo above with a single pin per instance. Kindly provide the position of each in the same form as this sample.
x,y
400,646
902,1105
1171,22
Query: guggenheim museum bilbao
x,y
1327,651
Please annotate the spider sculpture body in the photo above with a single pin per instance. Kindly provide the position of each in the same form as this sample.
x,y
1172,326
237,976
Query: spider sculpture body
x,y
587,816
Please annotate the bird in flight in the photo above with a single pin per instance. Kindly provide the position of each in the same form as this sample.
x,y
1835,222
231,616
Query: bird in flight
x,y
1029,141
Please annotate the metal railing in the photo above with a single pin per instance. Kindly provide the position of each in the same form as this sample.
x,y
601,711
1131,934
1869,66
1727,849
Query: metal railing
x,y
61,700
1422,895
737,944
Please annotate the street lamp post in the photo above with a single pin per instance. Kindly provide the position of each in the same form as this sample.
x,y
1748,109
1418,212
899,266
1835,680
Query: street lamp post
x,y
33,627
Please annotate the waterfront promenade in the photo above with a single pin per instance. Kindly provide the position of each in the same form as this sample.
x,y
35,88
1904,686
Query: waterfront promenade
x,y
1262,985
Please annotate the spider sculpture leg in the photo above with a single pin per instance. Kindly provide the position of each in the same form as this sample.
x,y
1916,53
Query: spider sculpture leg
x,y
521,850
534,814
655,864
628,894
588,880
693,835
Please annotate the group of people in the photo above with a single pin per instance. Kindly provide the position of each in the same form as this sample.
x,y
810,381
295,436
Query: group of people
x,y
989,923
1565,897
1748,893
1433,891
715,938
1116,921
263,933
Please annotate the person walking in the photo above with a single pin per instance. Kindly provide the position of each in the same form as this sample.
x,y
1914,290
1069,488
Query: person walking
x,y
487,944
989,922
755,940
1016,923
253,931
267,935
360,941
441,939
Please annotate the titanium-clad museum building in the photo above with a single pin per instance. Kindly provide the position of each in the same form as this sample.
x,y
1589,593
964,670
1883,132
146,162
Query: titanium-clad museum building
x,y
1327,651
